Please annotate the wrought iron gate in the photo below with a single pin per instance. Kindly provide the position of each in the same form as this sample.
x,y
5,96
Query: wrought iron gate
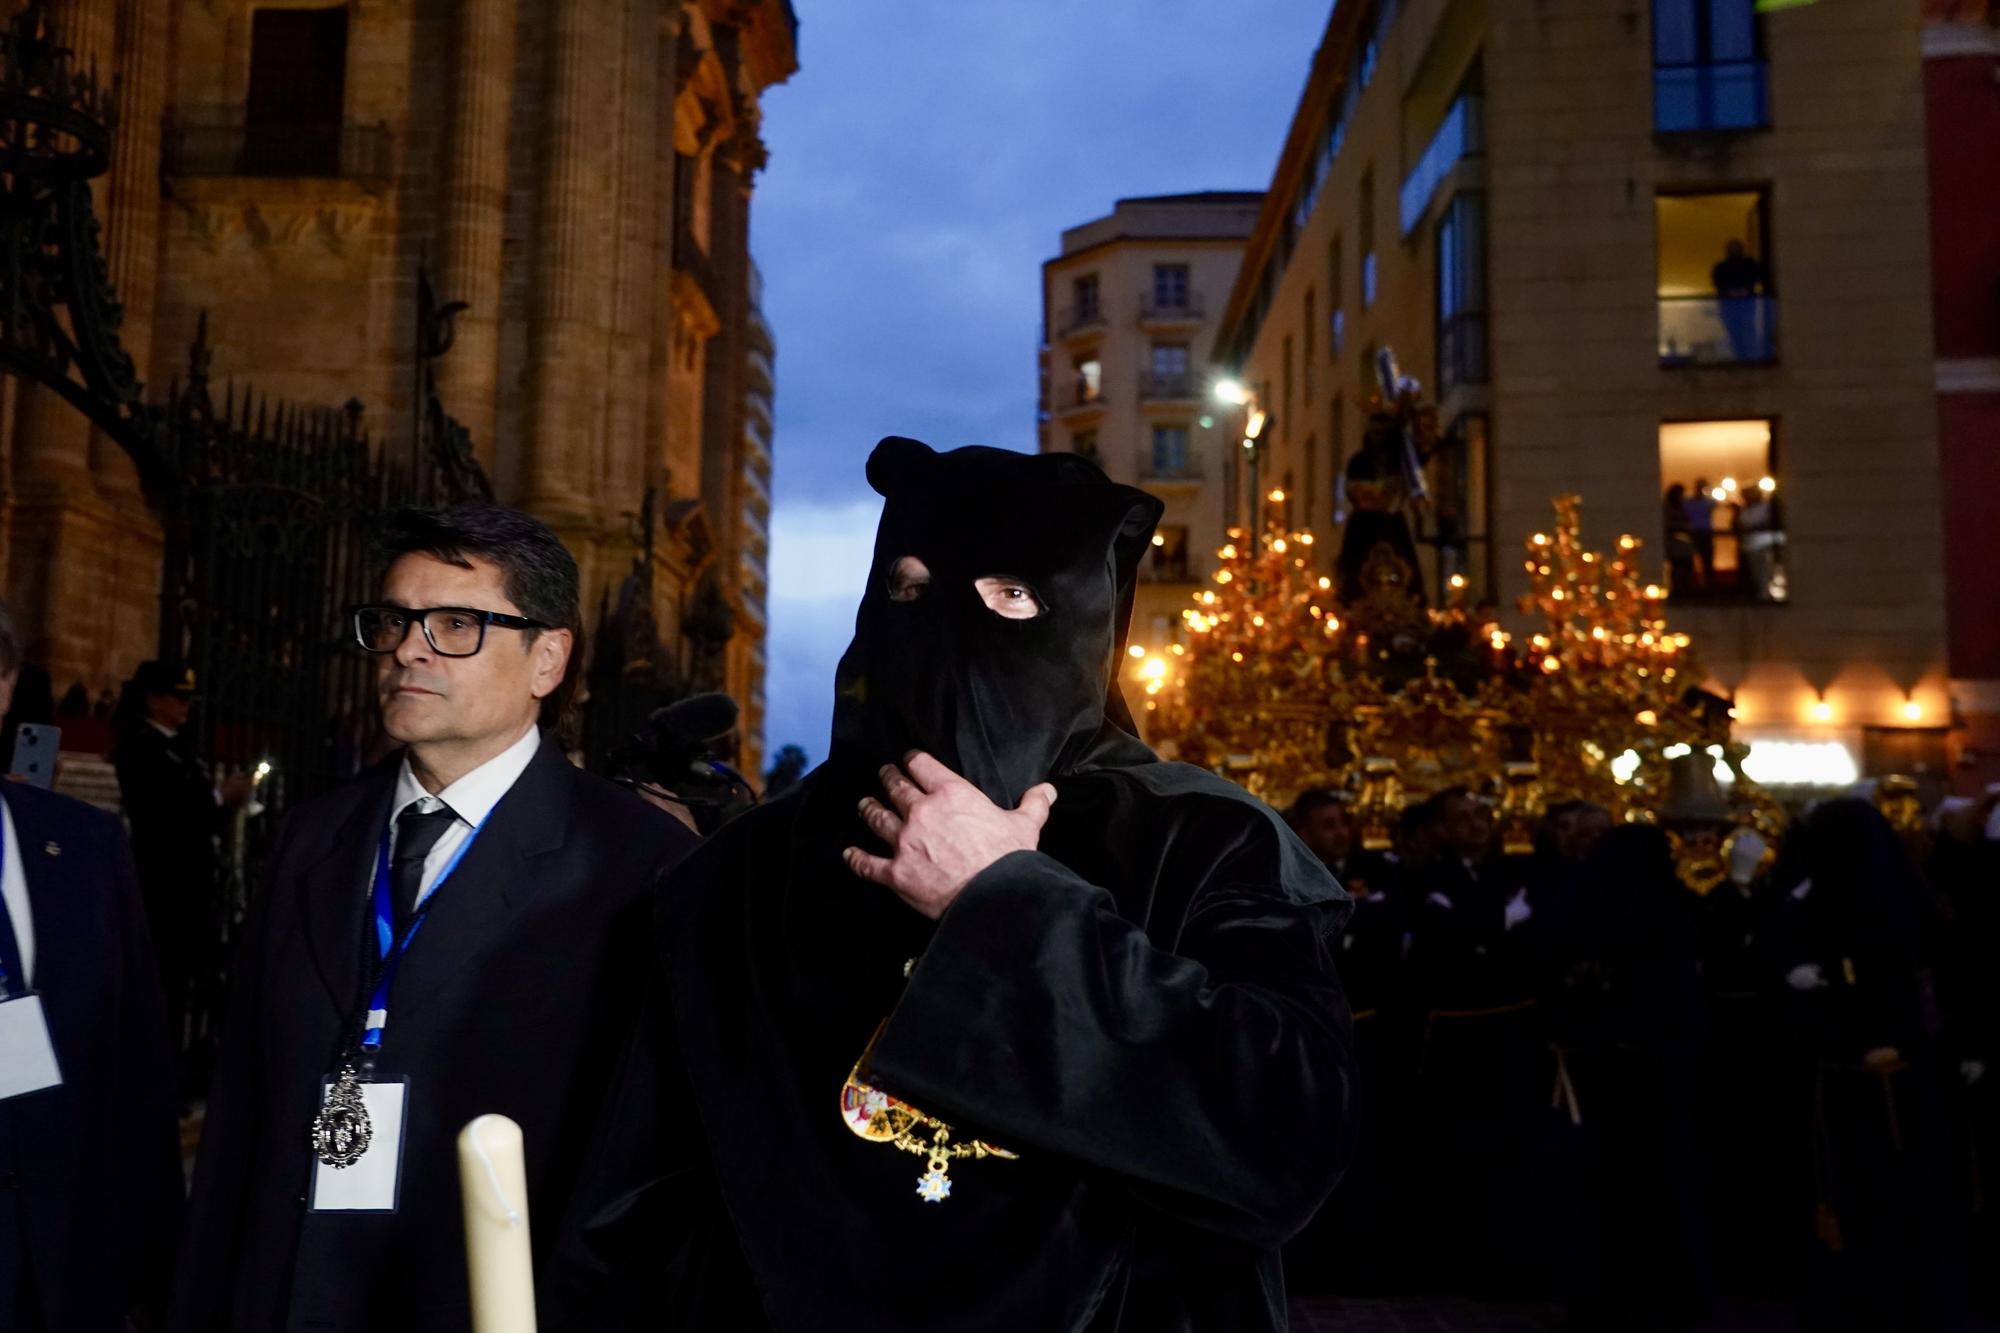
x,y
267,509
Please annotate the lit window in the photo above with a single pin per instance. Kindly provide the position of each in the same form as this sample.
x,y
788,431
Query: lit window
x,y
1717,302
1722,513
1089,380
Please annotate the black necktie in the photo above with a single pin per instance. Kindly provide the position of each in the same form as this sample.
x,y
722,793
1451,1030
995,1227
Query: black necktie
x,y
416,833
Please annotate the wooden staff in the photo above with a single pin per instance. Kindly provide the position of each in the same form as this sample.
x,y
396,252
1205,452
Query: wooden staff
x,y
493,1182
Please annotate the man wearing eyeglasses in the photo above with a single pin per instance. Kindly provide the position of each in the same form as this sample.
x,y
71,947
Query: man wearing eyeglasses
x,y
461,930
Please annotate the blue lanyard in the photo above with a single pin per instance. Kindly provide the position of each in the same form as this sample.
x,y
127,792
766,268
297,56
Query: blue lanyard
x,y
389,949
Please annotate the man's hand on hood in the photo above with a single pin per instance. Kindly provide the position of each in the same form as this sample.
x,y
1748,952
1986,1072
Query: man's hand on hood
x,y
941,832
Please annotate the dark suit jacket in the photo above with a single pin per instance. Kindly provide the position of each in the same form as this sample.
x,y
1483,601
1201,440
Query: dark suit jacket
x,y
516,997
174,818
90,1172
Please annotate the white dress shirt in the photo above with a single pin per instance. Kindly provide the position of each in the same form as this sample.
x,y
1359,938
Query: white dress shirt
x,y
471,798
14,890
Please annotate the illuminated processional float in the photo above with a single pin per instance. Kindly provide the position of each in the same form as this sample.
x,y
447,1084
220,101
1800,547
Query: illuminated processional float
x,y
1290,678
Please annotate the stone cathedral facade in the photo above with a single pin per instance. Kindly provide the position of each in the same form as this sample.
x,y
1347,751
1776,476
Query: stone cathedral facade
x,y
578,172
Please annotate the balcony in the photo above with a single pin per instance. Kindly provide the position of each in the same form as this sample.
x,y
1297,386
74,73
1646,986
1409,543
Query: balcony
x,y
1155,387
1459,137
1172,472
217,141
1709,97
1718,330
757,365
1171,312
1080,321
1078,399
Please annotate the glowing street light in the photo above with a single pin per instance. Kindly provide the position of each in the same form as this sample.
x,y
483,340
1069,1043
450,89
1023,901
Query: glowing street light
x,y
1231,391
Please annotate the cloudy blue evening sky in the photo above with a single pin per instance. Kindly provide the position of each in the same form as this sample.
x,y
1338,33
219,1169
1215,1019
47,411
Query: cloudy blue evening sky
x,y
925,160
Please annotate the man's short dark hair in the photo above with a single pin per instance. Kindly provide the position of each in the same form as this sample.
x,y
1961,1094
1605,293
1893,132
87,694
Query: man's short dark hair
x,y
1430,811
1309,803
537,571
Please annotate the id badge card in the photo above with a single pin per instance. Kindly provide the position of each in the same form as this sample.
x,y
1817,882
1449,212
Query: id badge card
x,y
371,1184
27,1053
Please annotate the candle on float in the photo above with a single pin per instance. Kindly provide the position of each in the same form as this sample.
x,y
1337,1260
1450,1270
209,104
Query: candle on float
x,y
493,1184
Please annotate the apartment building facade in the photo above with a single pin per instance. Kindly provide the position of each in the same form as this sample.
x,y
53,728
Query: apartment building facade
x,y
1670,254
1129,312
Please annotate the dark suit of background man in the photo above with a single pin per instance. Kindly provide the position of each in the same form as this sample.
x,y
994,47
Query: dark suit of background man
x,y
514,995
90,1170
176,814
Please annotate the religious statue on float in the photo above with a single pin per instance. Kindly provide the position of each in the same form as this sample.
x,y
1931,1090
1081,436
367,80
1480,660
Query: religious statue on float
x,y
1377,498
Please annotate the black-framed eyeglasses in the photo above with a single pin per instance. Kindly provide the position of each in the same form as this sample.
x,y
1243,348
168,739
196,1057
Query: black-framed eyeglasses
x,y
451,631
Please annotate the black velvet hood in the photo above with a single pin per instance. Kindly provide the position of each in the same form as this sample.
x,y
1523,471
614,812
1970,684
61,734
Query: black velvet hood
x,y
1006,703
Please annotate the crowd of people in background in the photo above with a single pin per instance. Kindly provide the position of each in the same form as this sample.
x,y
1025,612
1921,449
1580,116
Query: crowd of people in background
x,y
1583,1080
1580,1079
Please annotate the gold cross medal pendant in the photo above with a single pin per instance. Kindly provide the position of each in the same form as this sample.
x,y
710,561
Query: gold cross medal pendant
x,y
877,1117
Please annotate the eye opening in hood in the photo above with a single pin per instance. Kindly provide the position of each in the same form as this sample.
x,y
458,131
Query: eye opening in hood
x,y
908,580
999,592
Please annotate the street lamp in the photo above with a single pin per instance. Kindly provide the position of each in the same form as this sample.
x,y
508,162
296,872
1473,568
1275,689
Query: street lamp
x,y
1257,424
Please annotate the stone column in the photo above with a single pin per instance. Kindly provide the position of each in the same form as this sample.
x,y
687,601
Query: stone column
x,y
634,297
472,211
735,165
565,344
659,281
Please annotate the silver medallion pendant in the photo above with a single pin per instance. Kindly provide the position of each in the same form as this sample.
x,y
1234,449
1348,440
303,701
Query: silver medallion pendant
x,y
342,1131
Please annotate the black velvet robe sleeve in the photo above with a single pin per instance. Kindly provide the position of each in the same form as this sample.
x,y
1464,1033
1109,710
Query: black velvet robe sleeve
x,y
1213,1079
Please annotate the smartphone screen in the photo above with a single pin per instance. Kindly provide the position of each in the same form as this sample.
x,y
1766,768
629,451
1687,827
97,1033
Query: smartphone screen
x,y
35,747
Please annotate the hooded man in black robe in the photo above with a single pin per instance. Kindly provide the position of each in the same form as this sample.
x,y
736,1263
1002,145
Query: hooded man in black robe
x,y
998,1021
